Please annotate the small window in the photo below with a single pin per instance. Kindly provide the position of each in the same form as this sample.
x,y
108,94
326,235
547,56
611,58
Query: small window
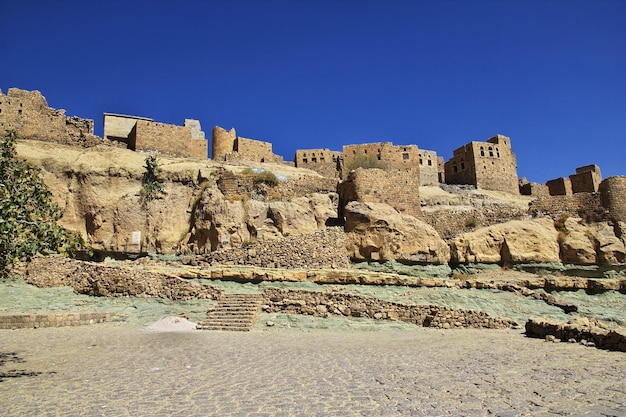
x,y
462,165
304,154
490,151
314,160
305,161
322,159
19,111
379,157
497,152
421,163
455,168
405,156
365,151
430,163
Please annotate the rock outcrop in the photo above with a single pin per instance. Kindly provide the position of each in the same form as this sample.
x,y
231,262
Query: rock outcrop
x,y
377,232
584,244
517,241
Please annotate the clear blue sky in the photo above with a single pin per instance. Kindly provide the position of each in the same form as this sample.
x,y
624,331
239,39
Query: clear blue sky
x,y
551,74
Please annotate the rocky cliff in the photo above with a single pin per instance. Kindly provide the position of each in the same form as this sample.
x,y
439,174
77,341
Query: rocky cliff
x,y
227,213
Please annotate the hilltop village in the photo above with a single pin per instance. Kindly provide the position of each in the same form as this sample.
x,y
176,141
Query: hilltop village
x,y
375,174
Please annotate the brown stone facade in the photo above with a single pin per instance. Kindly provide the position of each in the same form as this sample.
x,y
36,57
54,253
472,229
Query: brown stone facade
x,y
587,179
323,161
390,156
489,165
227,146
27,113
143,134
397,188
429,168
613,194
584,205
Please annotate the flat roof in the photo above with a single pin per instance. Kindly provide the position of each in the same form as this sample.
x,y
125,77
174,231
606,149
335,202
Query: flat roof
x,y
127,116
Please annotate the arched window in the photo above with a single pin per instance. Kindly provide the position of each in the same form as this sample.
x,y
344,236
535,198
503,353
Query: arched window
x,y
490,151
498,152
482,151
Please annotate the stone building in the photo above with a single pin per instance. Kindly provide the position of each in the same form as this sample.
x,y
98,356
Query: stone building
x,y
489,165
587,179
323,161
381,155
144,134
429,167
227,146
395,187
27,113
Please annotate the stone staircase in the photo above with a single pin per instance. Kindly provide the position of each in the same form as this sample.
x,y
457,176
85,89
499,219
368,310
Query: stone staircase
x,y
234,312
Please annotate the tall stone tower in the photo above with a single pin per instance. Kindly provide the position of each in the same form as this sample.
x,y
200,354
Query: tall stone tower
x,y
223,143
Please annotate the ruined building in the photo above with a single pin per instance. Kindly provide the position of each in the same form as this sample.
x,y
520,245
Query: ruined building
x,y
488,165
27,113
227,147
323,161
143,134
395,183
587,179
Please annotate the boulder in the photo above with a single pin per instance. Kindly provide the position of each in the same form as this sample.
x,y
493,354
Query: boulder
x,y
517,241
293,217
377,232
590,244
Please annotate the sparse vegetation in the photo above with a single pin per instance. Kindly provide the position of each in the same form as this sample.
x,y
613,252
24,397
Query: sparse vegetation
x,y
366,162
152,184
471,222
28,217
264,176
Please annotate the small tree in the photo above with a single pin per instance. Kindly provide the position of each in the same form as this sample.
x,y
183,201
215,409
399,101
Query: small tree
x,y
151,181
28,217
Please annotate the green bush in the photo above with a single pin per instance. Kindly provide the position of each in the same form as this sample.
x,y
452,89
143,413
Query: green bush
x,y
264,176
151,182
28,217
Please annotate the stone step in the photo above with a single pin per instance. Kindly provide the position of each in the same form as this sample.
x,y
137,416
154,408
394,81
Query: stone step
x,y
234,312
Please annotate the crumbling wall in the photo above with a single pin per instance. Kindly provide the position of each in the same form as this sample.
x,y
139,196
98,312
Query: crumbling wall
x,y
229,147
397,188
323,161
27,113
559,186
168,140
587,179
392,157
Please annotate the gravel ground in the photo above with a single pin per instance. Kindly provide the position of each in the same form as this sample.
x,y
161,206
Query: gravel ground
x,y
119,369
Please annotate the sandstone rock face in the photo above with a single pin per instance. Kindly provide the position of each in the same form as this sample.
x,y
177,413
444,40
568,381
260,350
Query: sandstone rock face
x,y
518,241
376,231
583,244
220,223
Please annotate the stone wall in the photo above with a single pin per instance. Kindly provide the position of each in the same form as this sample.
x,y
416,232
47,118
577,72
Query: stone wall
x,y
584,205
143,134
99,279
590,336
559,186
397,188
489,165
56,319
429,170
402,157
323,161
534,189
27,113
586,180
229,147
613,195
451,223
321,249
166,139
326,304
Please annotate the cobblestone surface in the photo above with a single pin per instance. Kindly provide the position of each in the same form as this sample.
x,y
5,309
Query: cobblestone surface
x,y
120,370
